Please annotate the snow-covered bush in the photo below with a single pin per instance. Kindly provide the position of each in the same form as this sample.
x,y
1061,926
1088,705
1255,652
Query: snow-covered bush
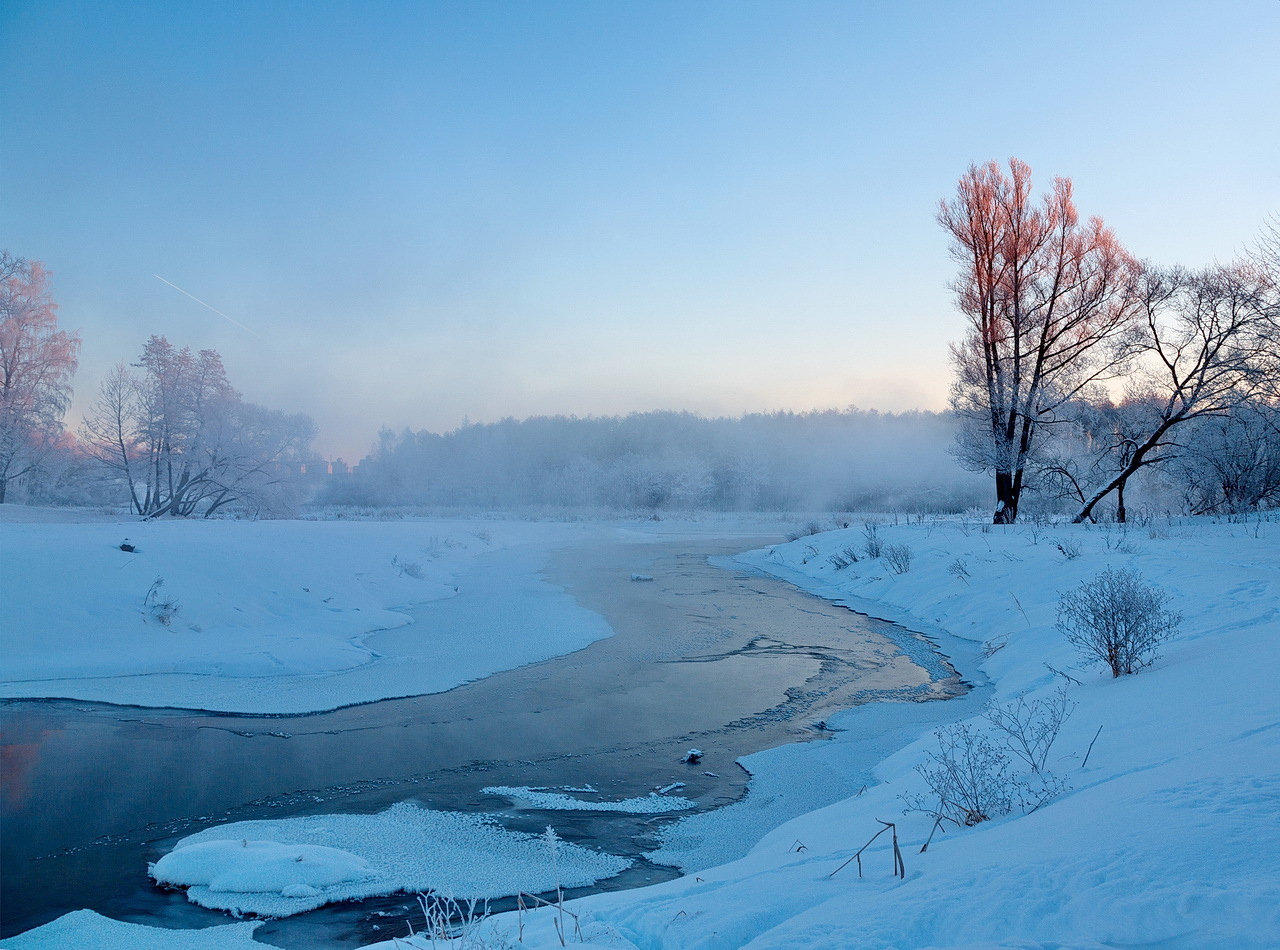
x,y
1118,619
408,568
898,557
1069,547
161,608
968,775
874,545
1031,726
843,558
1029,729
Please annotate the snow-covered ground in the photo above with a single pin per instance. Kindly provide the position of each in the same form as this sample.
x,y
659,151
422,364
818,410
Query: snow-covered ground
x,y
1166,836
275,616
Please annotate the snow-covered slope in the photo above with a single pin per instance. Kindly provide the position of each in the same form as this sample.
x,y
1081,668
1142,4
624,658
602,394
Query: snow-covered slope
x,y
1168,837
276,616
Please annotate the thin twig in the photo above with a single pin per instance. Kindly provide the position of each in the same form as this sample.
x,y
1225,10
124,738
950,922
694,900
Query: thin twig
x,y
898,866
1086,755
937,825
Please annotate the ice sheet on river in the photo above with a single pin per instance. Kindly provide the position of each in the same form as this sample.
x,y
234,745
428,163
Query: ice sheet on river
x,y
651,804
250,867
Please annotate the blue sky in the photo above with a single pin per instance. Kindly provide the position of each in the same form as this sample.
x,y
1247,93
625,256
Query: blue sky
x,y
432,211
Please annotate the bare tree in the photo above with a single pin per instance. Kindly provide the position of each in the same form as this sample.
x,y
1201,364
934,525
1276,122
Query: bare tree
x,y
37,361
183,442
108,432
1048,302
1231,463
1207,343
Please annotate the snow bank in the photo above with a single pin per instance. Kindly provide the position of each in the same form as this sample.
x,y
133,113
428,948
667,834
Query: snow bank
x,y
278,868
1167,836
277,617
85,930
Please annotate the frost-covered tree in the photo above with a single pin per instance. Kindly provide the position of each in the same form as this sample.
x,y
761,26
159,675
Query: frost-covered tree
x,y
1048,300
37,362
182,441
1231,463
1207,343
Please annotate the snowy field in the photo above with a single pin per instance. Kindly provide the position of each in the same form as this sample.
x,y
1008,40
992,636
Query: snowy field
x,y
275,616
1164,833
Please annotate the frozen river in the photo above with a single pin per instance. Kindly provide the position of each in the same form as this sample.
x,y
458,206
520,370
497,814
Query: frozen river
x,y
706,656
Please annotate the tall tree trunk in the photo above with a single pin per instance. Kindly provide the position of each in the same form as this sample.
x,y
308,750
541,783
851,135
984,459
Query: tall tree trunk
x,y
1006,498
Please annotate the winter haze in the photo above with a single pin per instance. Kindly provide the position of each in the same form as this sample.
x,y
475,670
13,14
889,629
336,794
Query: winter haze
x,y
419,214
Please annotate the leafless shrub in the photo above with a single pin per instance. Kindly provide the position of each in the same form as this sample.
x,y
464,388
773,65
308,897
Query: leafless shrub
x,y
1070,549
873,544
897,557
968,775
810,528
958,569
1031,726
843,558
408,568
1118,619
162,609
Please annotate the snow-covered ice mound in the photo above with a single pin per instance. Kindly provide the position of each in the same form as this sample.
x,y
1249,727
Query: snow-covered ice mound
x,y
278,868
260,867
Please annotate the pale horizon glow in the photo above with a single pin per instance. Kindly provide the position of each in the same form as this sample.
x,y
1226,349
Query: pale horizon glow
x,y
411,214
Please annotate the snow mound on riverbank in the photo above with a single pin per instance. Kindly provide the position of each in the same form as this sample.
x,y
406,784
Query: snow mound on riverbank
x,y
251,867
85,930
1166,835
276,617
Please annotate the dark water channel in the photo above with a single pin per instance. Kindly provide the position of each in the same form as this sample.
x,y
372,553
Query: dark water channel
x,y
725,660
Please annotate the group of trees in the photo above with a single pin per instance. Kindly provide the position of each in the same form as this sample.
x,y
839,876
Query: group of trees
x,y
179,439
1083,366
172,438
1084,371
673,460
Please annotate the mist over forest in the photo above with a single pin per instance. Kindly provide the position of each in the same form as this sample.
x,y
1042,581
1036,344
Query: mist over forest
x,y
822,460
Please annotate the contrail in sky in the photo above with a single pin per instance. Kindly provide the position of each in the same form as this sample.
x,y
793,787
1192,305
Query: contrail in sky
x,y
203,304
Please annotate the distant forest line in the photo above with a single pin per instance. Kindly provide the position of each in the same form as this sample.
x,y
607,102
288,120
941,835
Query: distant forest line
x,y
823,460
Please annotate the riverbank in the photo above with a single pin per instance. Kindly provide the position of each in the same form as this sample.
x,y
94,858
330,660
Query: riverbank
x,y
730,661
276,617
1163,833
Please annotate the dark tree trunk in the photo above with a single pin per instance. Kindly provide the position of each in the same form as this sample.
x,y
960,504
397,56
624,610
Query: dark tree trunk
x,y
1007,489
